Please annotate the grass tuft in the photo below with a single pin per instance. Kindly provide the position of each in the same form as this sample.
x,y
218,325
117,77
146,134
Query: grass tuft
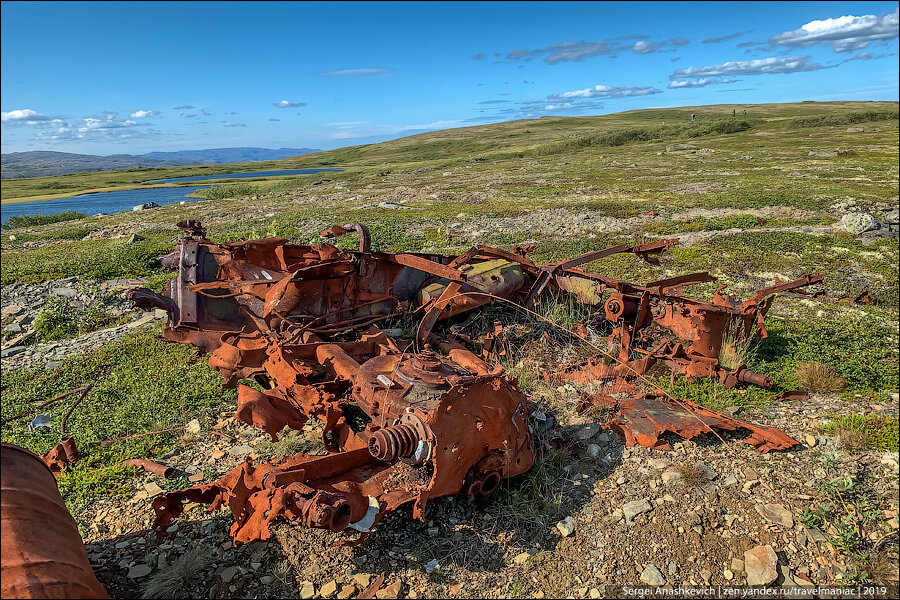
x,y
819,378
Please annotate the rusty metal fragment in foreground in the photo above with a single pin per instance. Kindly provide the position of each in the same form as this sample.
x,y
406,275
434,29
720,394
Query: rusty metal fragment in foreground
x,y
407,419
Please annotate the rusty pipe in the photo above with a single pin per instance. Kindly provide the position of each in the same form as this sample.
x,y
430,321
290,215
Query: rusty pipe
x,y
150,466
748,376
43,555
343,365
461,356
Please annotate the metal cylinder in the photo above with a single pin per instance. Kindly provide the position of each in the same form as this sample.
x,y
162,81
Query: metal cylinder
x,y
344,366
393,442
150,466
759,379
43,555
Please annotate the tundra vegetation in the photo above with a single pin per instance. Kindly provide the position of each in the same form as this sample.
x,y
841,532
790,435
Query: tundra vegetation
x,y
753,198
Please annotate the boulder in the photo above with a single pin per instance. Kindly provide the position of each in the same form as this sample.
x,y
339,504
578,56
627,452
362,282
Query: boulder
x,y
859,222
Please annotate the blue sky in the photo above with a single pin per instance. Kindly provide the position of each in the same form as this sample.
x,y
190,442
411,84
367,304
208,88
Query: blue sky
x,y
134,77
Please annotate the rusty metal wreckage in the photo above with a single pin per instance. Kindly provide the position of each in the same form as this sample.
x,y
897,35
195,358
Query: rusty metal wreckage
x,y
407,420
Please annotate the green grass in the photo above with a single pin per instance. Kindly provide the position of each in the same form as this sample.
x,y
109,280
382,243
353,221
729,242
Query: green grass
x,y
90,259
60,320
141,384
32,220
873,432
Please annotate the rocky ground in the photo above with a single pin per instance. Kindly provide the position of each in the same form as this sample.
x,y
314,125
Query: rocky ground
x,y
706,513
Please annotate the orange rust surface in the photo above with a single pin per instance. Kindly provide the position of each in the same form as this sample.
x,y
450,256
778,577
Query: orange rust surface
x,y
302,322
43,555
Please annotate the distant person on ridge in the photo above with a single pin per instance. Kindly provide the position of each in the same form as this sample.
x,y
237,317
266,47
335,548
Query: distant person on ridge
x,y
692,116
733,112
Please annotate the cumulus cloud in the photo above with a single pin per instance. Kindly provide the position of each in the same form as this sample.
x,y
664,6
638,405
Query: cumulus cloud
x,y
578,51
844,34
143,114
106,126
23,116
365,72
724,38
607,91
288,104
702,82
760,66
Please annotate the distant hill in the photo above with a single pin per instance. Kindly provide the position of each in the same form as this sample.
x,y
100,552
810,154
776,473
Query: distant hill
x,y
16,165
226,155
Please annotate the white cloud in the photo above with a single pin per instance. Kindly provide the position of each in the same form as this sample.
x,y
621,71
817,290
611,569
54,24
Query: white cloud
x,y
844,34
760,66
104,126
143,114
24,116
607,91
366,72
288,104
702,82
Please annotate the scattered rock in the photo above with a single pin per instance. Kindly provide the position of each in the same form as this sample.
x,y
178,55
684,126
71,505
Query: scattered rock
x,y
139,570
761,564
677,147
776,513
347,591
810,440
651,576
390,591
135,238
228,573
362,579
431,566
329,589
307,589
566,527
145,206
152,489
241,450
859,222
594,451
634,508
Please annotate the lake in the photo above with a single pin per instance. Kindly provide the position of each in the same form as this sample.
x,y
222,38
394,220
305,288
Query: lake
x,y
109,202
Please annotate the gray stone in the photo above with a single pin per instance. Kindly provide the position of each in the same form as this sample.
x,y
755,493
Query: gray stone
x,y
139,570
307,589
594,451
859,222
267,580
13,328
635,508
135,238
776,513
228,573
566,527
145,206
241,450
64,292
761,564
588,431
7,352
673,568
651,576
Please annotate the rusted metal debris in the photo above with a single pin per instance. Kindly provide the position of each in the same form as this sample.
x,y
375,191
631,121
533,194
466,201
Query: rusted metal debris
x,y
150,466
61,455
43,555
407,420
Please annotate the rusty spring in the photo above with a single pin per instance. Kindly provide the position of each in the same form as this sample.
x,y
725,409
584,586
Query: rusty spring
x,y
393,442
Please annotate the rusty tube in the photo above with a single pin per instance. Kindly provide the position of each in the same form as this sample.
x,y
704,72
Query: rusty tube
x,y
340,362
461,356
151,467
748,376
43,555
